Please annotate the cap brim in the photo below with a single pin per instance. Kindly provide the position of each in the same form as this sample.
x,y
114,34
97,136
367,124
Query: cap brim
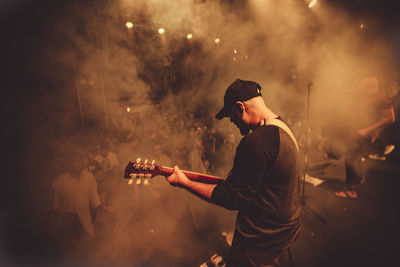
x,y
222,114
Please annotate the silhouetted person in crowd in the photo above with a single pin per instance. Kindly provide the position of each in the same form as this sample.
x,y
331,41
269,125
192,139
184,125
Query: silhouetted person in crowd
x,y
227,151
76,198
212,142
108,162
195,157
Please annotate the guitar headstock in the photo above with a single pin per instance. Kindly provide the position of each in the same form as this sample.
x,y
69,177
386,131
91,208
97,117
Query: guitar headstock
x,y
141,171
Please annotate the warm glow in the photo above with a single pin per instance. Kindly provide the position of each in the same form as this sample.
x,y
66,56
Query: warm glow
x,y
362,26
217,40
161,30
189,36
312,3
235,51
129,25
128,109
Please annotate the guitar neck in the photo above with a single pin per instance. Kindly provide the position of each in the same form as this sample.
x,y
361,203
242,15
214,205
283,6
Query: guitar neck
x,y
194,176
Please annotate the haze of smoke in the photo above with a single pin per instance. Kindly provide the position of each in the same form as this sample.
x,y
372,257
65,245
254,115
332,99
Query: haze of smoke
x,y
280,44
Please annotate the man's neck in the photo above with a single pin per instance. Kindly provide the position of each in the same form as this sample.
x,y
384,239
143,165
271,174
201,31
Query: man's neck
x,y
266,116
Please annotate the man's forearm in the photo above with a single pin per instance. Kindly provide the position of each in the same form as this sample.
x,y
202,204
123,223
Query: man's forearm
x,y
202,189
385,121
380,124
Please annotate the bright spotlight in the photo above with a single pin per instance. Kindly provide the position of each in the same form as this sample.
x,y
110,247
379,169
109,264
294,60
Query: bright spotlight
x,y
312,3
128,109
217,40
161,31
129,24
189,36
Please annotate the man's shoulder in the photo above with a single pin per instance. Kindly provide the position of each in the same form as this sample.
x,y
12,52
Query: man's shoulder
x,y
263,133
261,136
62,177
64,180
85,174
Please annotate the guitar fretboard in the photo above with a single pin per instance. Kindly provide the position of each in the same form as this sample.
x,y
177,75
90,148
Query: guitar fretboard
x,y
199,177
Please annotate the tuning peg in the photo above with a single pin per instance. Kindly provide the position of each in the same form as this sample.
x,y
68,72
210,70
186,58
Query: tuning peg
x,y
137,163
152,167
133,176
144,167
138,181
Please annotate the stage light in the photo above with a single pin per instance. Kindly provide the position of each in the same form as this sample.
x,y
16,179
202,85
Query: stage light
x,y
235,51
129,25
161,31
217,40
128,109
189,36
312,3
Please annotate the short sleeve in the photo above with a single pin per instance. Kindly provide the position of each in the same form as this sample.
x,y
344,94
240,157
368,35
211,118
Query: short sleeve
x,y
253,157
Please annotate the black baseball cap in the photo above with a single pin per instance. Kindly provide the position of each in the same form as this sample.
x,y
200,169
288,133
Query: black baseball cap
x,y
239,90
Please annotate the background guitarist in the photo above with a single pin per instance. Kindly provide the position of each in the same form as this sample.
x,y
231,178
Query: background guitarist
x,y
370,112
263,183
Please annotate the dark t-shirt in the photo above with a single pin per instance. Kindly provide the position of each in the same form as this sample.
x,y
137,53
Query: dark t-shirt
x,y
263,187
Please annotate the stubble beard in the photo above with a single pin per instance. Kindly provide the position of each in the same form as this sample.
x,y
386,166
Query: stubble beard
x,y
244,130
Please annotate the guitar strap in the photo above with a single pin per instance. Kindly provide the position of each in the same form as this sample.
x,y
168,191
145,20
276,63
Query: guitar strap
x,y
279,123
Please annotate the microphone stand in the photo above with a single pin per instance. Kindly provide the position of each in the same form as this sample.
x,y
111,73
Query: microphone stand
x,y
305,159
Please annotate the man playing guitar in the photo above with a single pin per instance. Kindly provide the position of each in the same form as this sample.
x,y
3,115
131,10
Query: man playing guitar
x,y
263,183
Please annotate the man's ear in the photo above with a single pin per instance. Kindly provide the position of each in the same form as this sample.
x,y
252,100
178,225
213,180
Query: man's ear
x,y
240,106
